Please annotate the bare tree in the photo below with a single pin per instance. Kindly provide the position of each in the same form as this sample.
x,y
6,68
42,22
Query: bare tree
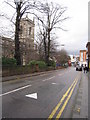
x,y
52,18
62,57
21,8
42,43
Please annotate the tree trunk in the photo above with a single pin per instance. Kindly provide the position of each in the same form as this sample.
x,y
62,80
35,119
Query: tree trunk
x,y
45,46
48,54
17,43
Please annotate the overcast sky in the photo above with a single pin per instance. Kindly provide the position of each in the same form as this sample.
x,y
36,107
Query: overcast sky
x,y
77,26
76,37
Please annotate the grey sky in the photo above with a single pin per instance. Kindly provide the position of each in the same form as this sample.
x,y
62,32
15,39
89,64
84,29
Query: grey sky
x,y
77,35
77,26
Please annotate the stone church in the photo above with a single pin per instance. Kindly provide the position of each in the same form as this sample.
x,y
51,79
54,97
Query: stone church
x,y
26,38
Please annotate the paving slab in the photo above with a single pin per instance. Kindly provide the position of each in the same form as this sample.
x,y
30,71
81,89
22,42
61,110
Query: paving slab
x,y
81,105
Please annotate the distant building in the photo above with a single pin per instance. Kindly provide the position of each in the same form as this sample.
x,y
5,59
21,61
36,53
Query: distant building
x,y
88,54
83,57
77,58
74,59
8,47
88,44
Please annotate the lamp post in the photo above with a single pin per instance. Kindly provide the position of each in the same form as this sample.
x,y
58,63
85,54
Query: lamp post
x,y
17,30
62,45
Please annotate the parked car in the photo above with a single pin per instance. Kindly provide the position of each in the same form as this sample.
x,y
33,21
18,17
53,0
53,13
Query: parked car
x,y
78,68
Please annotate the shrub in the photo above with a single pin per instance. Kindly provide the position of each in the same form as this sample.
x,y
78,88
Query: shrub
x,y
41,64
52,63
8,61
32,63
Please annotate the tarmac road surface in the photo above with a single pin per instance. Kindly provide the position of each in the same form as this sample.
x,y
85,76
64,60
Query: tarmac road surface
x,y
50,95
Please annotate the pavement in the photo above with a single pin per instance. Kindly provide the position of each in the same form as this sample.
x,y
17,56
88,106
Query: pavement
x,y
88,96
8,78
81,107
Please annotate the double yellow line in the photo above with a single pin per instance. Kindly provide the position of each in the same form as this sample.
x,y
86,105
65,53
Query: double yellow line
x,y
67,95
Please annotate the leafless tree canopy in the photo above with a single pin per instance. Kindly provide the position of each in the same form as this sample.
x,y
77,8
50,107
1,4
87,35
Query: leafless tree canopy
x,y
25,7
62,57
50,16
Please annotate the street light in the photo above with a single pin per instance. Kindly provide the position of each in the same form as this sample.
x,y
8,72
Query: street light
x,y
62,45
17,30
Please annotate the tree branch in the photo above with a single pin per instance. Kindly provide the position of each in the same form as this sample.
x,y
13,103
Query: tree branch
x,y
10,5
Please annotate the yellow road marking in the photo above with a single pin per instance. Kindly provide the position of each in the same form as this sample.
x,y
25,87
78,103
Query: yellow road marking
x,y
63,107
58,105
78,110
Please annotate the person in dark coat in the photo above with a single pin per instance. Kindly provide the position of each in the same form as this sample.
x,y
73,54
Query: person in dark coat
x,y
85,68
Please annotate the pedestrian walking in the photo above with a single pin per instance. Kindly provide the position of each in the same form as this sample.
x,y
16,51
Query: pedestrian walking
x,y
85,69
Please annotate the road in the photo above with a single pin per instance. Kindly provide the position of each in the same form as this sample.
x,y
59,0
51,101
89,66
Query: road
x,y
50,95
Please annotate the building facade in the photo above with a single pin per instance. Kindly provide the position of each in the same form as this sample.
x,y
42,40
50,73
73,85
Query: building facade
x,y
88,44
27,32
26,39
8,47
88,54
83,57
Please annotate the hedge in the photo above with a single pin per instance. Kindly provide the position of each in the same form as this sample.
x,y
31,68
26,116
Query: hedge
x,y
8,61
41,64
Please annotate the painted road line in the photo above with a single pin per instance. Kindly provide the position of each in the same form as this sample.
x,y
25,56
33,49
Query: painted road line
x,y
60,102
54,83
65,103
48,79
64,73
60,74
15,90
